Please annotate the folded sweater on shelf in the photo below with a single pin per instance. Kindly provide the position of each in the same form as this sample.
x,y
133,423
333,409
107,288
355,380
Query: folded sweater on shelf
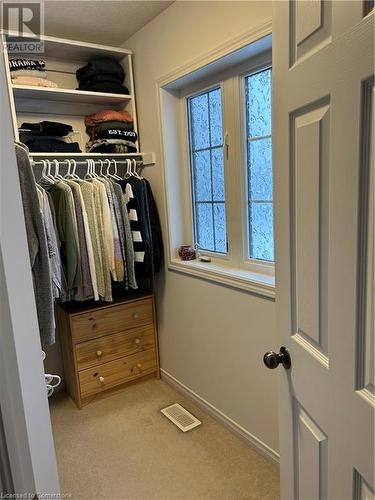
x,y
102,74
26,64
101,66
93,130
108,115
117,133
107,87
102,127
111,146
51,145
27,72
47,128
33,81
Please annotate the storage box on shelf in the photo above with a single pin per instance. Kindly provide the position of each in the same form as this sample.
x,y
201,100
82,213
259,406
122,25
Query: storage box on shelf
x,y
107,347
66,104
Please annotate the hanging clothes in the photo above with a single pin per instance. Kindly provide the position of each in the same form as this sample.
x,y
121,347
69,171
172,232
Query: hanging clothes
x,y
87,190
155,229
128,243
66,222
87,235
105,236
118,257
140,234
145,224
86,291
52,243
38,248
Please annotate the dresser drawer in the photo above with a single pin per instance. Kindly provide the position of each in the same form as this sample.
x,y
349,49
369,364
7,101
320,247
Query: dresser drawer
x,y
117,345
109,320
100,378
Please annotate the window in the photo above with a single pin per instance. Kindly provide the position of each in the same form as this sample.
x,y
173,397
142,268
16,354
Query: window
x,y
215,222
217,149
258,93
207,170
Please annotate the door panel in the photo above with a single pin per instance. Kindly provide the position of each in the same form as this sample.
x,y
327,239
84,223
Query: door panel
x,y
310,180
310,27
362,490
323,229
366,317
310,456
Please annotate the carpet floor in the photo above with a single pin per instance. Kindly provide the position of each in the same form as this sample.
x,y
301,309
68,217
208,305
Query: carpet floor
x,y
122,447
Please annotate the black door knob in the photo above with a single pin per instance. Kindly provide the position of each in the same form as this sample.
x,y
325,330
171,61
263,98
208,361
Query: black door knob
x,y
272,360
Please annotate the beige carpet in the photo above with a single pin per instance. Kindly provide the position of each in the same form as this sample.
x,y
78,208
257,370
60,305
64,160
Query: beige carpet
x,y
121,447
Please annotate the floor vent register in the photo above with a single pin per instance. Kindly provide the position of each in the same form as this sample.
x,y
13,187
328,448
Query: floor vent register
x,y
181,417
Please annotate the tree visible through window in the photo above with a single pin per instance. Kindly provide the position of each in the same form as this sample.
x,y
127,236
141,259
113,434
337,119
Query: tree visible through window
x,y
207,170
259,164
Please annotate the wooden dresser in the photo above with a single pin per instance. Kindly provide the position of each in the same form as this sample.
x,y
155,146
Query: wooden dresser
x,y
107,346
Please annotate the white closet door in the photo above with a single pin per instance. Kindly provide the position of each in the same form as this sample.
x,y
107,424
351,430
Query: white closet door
x,y
323,79
23,398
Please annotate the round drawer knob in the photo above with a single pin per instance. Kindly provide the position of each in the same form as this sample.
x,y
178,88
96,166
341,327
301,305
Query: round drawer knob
x,y
137,341
99,353
139,365
135,315
101,380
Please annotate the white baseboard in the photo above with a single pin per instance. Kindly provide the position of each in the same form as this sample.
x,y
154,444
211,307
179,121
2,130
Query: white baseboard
x,y
230,424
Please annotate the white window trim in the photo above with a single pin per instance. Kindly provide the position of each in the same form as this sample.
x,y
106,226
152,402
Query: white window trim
x,y
176,156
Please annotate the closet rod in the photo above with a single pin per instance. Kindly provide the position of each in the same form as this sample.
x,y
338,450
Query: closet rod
x,y
84,162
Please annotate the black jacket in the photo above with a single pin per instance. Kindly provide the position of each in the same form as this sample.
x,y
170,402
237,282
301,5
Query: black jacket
x,y
149,226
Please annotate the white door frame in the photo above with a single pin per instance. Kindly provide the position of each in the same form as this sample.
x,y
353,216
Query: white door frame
x,y
23,398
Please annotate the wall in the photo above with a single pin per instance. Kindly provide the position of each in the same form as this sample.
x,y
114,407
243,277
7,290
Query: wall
x,y
212,338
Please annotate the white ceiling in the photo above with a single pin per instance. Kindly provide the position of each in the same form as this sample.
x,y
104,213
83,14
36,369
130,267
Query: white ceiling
x,y
105,22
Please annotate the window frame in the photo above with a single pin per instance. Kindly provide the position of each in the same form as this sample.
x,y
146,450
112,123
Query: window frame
x,y
233,96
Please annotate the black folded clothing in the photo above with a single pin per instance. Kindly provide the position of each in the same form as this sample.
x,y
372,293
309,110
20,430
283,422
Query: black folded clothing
x,y
112,148
102,77
48,145
94,130
17,64
99,127
108,87
47,128
115,133
101,66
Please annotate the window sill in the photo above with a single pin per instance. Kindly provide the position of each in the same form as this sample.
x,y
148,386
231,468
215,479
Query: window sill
x,y
257,283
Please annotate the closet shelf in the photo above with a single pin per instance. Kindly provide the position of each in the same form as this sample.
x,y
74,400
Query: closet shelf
x,y
72,50
40,99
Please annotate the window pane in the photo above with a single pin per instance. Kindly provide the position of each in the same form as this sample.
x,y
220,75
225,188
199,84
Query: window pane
x,y
261,231
260,170
207,164
205,226
220,228
258,96
215,118
259,164
218,174
199,121
202,176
